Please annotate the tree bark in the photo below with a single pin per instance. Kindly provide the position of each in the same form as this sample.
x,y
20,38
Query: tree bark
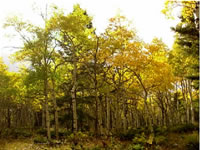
x,y
191,99
100,117
8,118
43,115
183,88
73,93
46,91
47,107
125,117
107,114
55,109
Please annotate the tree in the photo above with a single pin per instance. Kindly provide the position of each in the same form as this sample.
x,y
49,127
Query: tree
x,y
186,45
37,50
184,56
73,37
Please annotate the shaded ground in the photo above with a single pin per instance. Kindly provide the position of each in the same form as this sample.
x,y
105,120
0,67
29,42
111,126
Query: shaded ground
x,y
176,141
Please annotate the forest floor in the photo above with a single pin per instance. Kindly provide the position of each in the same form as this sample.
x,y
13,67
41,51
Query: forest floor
x,y
176,141
179,137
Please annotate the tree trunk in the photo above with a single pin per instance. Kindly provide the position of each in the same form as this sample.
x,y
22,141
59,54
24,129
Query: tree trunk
x,y
55,109
148,113
100,117
177,106
98,121
96,113
73,93
125,117
117,117
46,93
191,104
43,115
8,118
183,88
107,114
47,108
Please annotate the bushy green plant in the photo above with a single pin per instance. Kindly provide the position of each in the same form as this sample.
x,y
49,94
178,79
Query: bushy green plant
x,y
82,135
136,147
40,139
41,131
183,128
160,130
6,132
192,141
23,133
139,139
96,148
64,133
160,140
140,130
16,133
131,133
79,136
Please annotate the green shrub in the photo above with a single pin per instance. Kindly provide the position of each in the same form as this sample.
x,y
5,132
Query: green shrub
x,y
140,130
160,140
6,133
22,133
189,127
192,141
64,133
40,139
139,139
61,132
79,136
131,133
96,148
136,147
41,131
160,130
148,130
16,133
183,128
53,134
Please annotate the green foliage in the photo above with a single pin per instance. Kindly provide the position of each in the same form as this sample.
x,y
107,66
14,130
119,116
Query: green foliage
x,y
24,133
184,56
41,131
160,140
159,130
40,139
136,147
183,128
96,148
192,141
140,139
16,133
64,133
79,136
131,133
139,142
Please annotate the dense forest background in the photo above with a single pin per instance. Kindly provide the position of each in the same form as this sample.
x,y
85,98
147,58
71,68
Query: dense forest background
x,y
75,83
